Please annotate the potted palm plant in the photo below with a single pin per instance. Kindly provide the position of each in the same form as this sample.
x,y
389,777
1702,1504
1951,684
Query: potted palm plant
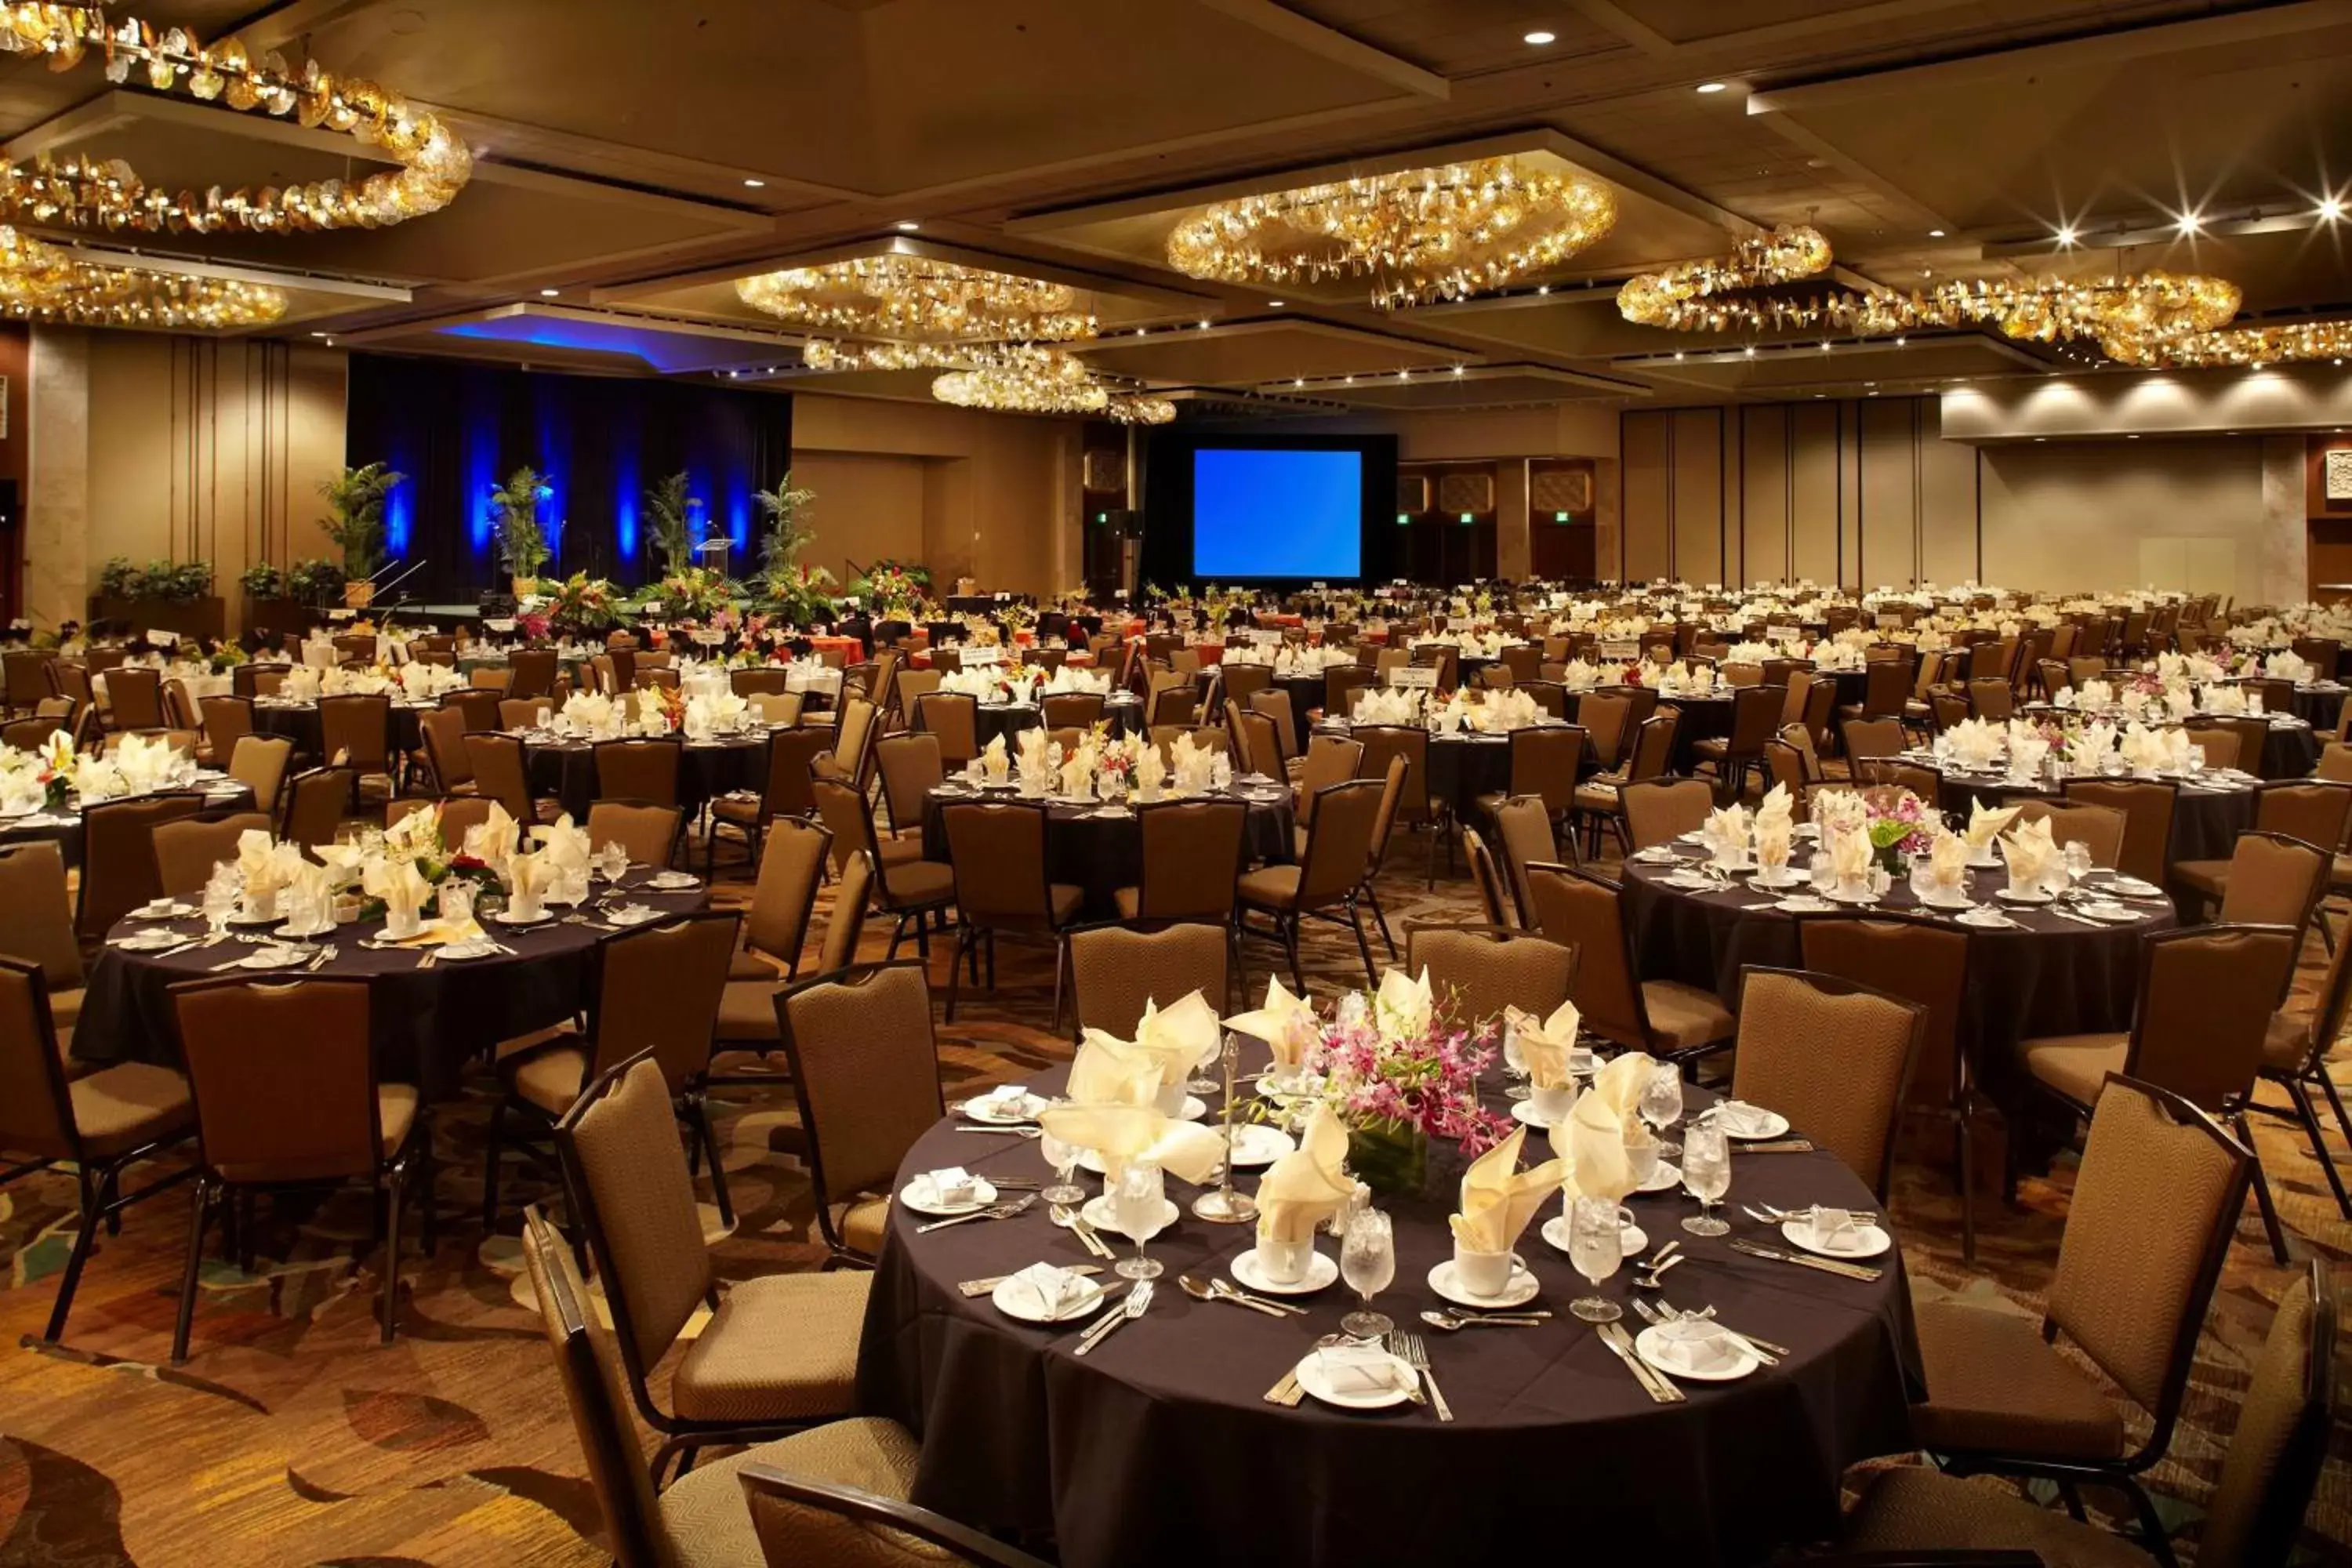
x,y
354,522
521,544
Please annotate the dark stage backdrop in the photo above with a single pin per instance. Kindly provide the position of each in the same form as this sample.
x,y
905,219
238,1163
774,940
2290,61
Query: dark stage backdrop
x,y
599,443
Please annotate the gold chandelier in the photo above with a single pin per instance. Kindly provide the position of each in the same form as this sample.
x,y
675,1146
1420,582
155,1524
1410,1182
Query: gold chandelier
x,y
913,298
39,282
1023,378
87,193
1422,236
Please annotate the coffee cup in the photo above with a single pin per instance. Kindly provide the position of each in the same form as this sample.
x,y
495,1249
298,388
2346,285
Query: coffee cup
x,y
1285,1262
1482,1273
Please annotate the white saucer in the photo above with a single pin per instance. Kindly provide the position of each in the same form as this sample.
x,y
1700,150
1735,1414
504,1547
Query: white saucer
x,y
2016,895
984,1193
1319,1274
1870,1240
1632,1239
273,959
1646,1344
291,932
1788,879
1664,1178
1961,902
1309,1373
241,919
1521,1289
466,950
1193,1109
167,911
2111,914
1098,1213
509,918
1987,919
1803,904
151,940
1525,1110
1255,1144
1989,863
1005,1295
993,1112
2132,888
673,882
1775,1125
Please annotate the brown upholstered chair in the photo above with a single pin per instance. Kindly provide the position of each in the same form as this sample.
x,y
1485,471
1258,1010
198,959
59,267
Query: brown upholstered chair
x,y
102,1125
118,857
644,771
443,732
1493,899
1671,1020
2206,998
953,717
1192,850
1326,878
1755,717
2154,1204
1330,759
355,733
1869,739
532,672
2295,1057
866,1070
778,709
2313,811
2147,806
1658,811
902,882
1477,971
854,735
852,895
775,929
284,1079
225,720
1523,825
1605,716
2098,827
1070,709
2270,878
1415,807
315,799
1833,1056
258,762
135,697
187,850
2252,736
1256,747
1115,970
1384,824
36,923
1275,703
792,767
996,850
478,707
649,832
779,1351
911,766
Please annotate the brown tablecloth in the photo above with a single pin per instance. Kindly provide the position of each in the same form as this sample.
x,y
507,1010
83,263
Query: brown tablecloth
x,y
1160,1448
2205,822
299,722
223,797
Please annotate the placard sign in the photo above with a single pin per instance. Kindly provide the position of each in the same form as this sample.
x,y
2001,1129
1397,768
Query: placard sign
x,y
1267,639
991,655
1621,649
1413,677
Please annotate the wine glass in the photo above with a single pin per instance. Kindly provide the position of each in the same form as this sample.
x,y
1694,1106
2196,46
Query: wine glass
x,y
1136,1204
2078,861
1367,1263
1513,1063
1064,1158
1660,1104
1706,1175
1595,1246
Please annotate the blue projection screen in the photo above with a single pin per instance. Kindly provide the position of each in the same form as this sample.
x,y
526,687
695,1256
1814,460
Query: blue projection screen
x,y
1258,513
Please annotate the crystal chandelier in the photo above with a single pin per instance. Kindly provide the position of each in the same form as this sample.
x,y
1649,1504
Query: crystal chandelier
x,y
39,282
913,298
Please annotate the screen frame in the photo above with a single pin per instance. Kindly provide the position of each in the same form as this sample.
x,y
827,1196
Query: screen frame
x,y
1349,535
1167,499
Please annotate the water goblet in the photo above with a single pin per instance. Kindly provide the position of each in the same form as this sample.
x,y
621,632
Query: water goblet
x,y
1136,1201
1595,1247
1514,1065
1706,1175
1367,1263
1064,1158
1660,1104
2078,860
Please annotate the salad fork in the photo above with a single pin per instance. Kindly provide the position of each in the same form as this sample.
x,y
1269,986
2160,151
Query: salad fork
x,y
1413,1351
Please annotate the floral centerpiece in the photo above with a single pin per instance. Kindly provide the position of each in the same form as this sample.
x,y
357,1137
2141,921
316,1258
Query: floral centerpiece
x,y
226,658
890,592
692,593
1896,822
581,603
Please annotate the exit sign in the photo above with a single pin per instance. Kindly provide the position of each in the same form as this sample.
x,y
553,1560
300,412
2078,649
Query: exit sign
x,y
1559,517
1469,517
1403,518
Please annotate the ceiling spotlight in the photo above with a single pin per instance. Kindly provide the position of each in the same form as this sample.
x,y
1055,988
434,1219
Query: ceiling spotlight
x,y
1935,234
551,293
2065,234
1825,347
2131,438
1678,353
1405,375
1710,87
1751,351
1299,381
1540,37
318,334
1545,289
1273,304
2330,210
1457,370
757,184
2042,438
1203,326
906,225
1900,342
2190,223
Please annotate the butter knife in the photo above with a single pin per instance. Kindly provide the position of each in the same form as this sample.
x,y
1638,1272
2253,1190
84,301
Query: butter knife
x,y
1775,1146
1137,1302
1822,1265
982,1286
1614,1335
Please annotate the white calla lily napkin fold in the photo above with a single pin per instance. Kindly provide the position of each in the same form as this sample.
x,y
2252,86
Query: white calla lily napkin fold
x,y
2033,856
1286,1024
1948,865
1182,1036
1108,1070
1850,856
565,847
492,840
1725,833
403,890
2144,748
1076,773
1547,1046
1123,1134
265,866
2095,694
1588,1149
995,763
1304,1187
1974,743
1403,1005
530,878
1985,825
2087,746
1498,1199
1775,831
1151,773
2027,747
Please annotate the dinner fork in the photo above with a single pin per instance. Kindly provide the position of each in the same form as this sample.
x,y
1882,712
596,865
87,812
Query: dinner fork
x,y
995,1211
1414,1352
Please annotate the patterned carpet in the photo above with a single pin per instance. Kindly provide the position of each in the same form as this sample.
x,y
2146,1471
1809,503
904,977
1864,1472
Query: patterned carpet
x,y
292,1437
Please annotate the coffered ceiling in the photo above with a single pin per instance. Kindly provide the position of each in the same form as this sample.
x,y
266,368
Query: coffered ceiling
x,y
633,159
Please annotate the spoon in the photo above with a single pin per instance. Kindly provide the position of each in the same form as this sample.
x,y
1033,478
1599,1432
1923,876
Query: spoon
x,y
1201,1289
1454,1322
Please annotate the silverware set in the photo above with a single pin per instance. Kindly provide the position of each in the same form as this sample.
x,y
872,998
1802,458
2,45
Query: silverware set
x,y
1806,1216
1452,1321
1805,1260
1214,1290
1661,1315
1139,1301
1001,1132
1411,1350
1654,1382
1082,1227
994,1211
984,1286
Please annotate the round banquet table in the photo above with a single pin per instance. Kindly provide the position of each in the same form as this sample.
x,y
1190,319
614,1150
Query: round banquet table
x,y
2206,818
566,769
1159,1448
426,1023
2047,975
2317,703
1098,847
298,720
2290,750
222,796
1703,718
1007,720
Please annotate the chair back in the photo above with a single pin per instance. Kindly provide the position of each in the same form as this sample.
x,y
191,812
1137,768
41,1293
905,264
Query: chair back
x,y
624,1166
2220,746
314,807
852,738
1192,851
954,718
1755,715
1116,970
1658,811
1330,759
1654,743
1069,710
1584,910
136,697
118,856
1475,971
2206,998
2155,1202
2147,806
1338,846
2273,1461
1243,681
1868,738
657,989
2274,881
500,774
865,1069
1255,749
998,850
477,707
2099,827
644,769
444,746
355,731
911,768
258,762
26,676
1522,825
1603,716
187,850
37,1115
791,861
851,896
1913,957
649,832
1833,1057
2314,810
224,722
1493,899
1411,742
532,672
763,681
36,917
791,761
2253,735
283,1076
1544,763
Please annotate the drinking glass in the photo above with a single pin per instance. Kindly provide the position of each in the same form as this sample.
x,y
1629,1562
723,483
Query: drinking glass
x,y
1367,1263
1824,871
1594,1245
1706,1175
1136,1204
1660,1104
220,899
2078,860
1514,1065
1064,1158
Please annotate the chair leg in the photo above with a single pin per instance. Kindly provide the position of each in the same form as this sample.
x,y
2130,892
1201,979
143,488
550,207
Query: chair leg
x,y
197,1205
490,1166
1381,918
1060,964
109,1192
1965,1136
1290,946
391,1248
2154,1536
2263,1195
428,1221
85,1240
963,946
1356,924
2300,1093
701,1106
2327,1086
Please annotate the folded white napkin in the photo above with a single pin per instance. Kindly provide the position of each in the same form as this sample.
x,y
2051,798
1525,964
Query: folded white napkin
x,y
1304,1187
1359,1367
1048,1291
946,1188
1286,1024
1498,1199
1547,1046
1404,1006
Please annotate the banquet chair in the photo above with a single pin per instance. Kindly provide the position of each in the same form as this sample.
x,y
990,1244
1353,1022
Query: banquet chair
x,y
1600,800
501,774
779,1352
1894,772
135,698
355,734
2101,828
1885,689
1243,681
767,680
187,850
2295,1057
952,718
477,707
520,712
118,856
1255,748
855,733
866,1072
1548,695
909,686
1670,1019
781,709
1658,811
1115,968
648,832
27,734
1544,764
314,807
2147,806
1868,740
1275,703
224,722
444,733
775,929
1416,806
2155,1202
792,762
2220,746
1173,704
1328,877
2314,811
2200,1021
2270,878
530,672
1755,715
1484,876
1069,710
1340,684
1993,698
1330,759
25,677
1476,971
2252,736
102,1123
1003,886
1192,852
654,990
498,682
258,762
643,770
284,1079
1523,829
902,883
1604,715
36,923
2270,1466
911,766
1833,1056
1925,962
251,680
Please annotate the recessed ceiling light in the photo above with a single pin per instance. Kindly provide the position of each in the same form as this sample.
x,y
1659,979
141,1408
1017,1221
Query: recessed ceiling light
x,y
1202,326
1825,347
1710,87
2190,223
1405,375
318,334
1751,351
1457,370
1347,381
1545,289
1900,342
1678,353
2131,438
757,184
906,225
551,293
1299,381
1273,304
1540,37
2065,234
1935,234
2330,210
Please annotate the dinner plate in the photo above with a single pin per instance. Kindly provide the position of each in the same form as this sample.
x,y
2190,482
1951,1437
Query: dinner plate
x,y
1961,903
673,882
1098,1213
1255,1144
163,910
1803,904
984,1193
241,919
1869,1239
273,958
1649,1345
1632,1239
509,918
1320,1273
1525,1110
1001,1113
1013,1301
1518,1292
1773,1125
1661,1179
466,950
1309,1373
293,932
2110,914
2019,896
2132,888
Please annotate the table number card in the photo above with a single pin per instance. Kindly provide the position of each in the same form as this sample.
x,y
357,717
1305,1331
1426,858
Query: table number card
x,y
1413,677
972,656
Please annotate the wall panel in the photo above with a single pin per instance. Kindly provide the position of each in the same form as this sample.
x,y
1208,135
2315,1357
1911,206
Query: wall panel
x,y
1647,520
1697,501
1886,511
1817,492
1765,511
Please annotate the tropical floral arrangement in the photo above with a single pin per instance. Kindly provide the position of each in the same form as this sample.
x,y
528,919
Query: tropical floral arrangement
x,y
1899,821
521,544
582,604
791,587
226,658
692,593
890,592
354,519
